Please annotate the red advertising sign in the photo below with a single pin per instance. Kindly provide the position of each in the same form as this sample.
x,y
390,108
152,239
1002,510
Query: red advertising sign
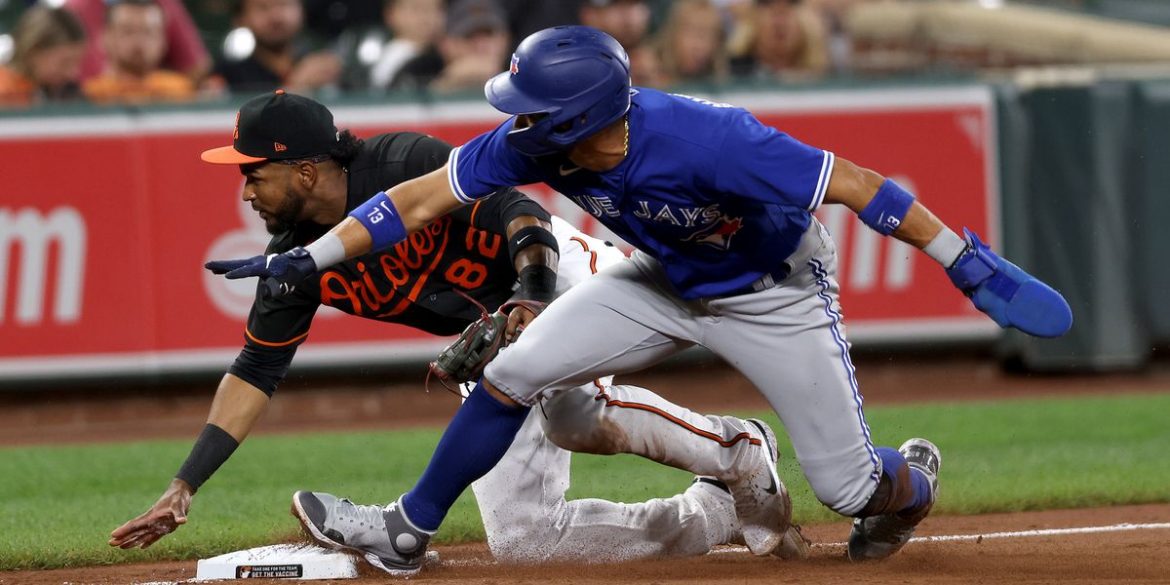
x,y
106,221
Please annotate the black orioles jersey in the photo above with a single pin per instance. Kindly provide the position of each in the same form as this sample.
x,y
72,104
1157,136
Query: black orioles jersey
x,y
412,283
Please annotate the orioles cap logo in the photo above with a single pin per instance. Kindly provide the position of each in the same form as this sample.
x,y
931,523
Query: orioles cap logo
x,y
515,66
279,147
236,132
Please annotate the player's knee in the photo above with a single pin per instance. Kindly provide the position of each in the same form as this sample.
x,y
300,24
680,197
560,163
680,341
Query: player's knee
x,y
571,422
520,382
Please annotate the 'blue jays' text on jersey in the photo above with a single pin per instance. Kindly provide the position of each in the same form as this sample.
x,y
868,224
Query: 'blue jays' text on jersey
x,y
719,198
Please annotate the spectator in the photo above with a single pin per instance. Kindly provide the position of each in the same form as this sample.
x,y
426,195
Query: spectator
x,y
48,45
833,13
328,19
691,44
628,21
411,28
135,41
271,57
787,39
528,16
184,50
474,49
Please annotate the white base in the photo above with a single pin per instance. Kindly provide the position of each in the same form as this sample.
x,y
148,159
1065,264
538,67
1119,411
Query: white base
x,y
293,561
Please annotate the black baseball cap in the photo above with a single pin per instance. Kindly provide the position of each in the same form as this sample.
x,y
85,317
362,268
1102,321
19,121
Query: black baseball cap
x,y
277,126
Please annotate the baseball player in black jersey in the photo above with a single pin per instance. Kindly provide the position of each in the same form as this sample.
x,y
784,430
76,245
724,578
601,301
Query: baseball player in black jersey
x,y
303,176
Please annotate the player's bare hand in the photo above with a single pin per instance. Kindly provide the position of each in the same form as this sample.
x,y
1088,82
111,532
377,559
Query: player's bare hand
x,y
518,319
167,514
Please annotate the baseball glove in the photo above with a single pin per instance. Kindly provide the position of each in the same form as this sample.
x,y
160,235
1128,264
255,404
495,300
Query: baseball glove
x,y
466,357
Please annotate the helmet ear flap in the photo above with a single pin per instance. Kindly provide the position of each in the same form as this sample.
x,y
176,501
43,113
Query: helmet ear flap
x,y
568,125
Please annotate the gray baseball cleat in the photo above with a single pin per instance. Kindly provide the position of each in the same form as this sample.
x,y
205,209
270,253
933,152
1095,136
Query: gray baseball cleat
x,y
878,537
384,536
761,500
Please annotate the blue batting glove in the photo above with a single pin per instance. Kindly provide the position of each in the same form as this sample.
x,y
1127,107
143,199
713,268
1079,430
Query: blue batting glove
x,y
281,272
1007,294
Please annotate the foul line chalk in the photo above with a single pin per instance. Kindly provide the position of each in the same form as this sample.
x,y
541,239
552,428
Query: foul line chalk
x,y
1047,532
980,537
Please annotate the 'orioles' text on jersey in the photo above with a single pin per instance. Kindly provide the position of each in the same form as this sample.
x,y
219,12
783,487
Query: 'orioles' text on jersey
x,y
412,283
725,207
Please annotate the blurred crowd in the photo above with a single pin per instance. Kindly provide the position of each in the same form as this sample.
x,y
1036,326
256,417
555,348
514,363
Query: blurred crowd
x,y
150,51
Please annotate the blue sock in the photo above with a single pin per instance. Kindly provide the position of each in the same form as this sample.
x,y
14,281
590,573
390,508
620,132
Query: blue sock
x,y
473,443
892,463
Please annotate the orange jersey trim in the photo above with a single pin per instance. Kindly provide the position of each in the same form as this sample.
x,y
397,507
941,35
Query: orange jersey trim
x,y
592,254
275,344
601,395
474,210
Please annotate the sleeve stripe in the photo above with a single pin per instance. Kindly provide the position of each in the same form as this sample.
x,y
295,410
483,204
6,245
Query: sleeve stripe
x,y
259,341
453,176
822,181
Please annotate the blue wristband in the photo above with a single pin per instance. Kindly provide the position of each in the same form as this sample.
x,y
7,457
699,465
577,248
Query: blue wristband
x,y
887,209
381,219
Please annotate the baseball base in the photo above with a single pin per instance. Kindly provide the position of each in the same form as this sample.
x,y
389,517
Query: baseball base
x,y
292,561
285,561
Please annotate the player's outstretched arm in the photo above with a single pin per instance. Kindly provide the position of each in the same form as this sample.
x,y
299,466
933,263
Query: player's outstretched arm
x,y
235,410
1002,290
382,221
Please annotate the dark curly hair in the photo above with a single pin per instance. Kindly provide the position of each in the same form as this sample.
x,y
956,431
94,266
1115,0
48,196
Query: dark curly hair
x,y
347,148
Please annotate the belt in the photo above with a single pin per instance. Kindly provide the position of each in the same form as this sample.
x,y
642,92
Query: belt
x,y
762,283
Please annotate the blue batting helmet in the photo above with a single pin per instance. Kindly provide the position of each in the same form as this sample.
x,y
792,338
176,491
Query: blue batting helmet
x,y
572,80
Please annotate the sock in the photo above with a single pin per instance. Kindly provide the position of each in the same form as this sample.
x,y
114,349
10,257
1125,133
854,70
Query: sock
x,y
473,443
892,463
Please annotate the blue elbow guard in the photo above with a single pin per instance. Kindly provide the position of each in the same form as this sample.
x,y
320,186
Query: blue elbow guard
x,y
381,219
1010,296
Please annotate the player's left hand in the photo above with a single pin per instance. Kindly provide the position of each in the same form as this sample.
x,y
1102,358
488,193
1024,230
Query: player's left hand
x,y
520,315
1008,294
518,319
280,272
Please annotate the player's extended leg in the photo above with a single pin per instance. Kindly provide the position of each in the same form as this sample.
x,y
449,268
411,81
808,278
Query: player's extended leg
x,y
527,519
623,320
522,500
789,340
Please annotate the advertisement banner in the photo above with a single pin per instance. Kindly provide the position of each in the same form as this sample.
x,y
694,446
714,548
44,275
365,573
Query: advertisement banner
x,y
106,221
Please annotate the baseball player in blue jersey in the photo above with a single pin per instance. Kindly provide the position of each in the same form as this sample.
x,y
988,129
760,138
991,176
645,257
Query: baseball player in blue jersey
x,y
728,256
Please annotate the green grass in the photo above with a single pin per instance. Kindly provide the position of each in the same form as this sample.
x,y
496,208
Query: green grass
x,y
58,504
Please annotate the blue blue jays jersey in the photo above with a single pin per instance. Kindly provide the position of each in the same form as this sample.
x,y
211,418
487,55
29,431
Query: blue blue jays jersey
x,y
719,198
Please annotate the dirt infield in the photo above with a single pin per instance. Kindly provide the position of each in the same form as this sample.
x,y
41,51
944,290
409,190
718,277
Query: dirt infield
x,y
1136,556
1126,556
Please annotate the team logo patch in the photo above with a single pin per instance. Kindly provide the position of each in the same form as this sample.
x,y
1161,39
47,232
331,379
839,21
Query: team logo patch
x,y
270,571
279,147
236,132
515,66
718,233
